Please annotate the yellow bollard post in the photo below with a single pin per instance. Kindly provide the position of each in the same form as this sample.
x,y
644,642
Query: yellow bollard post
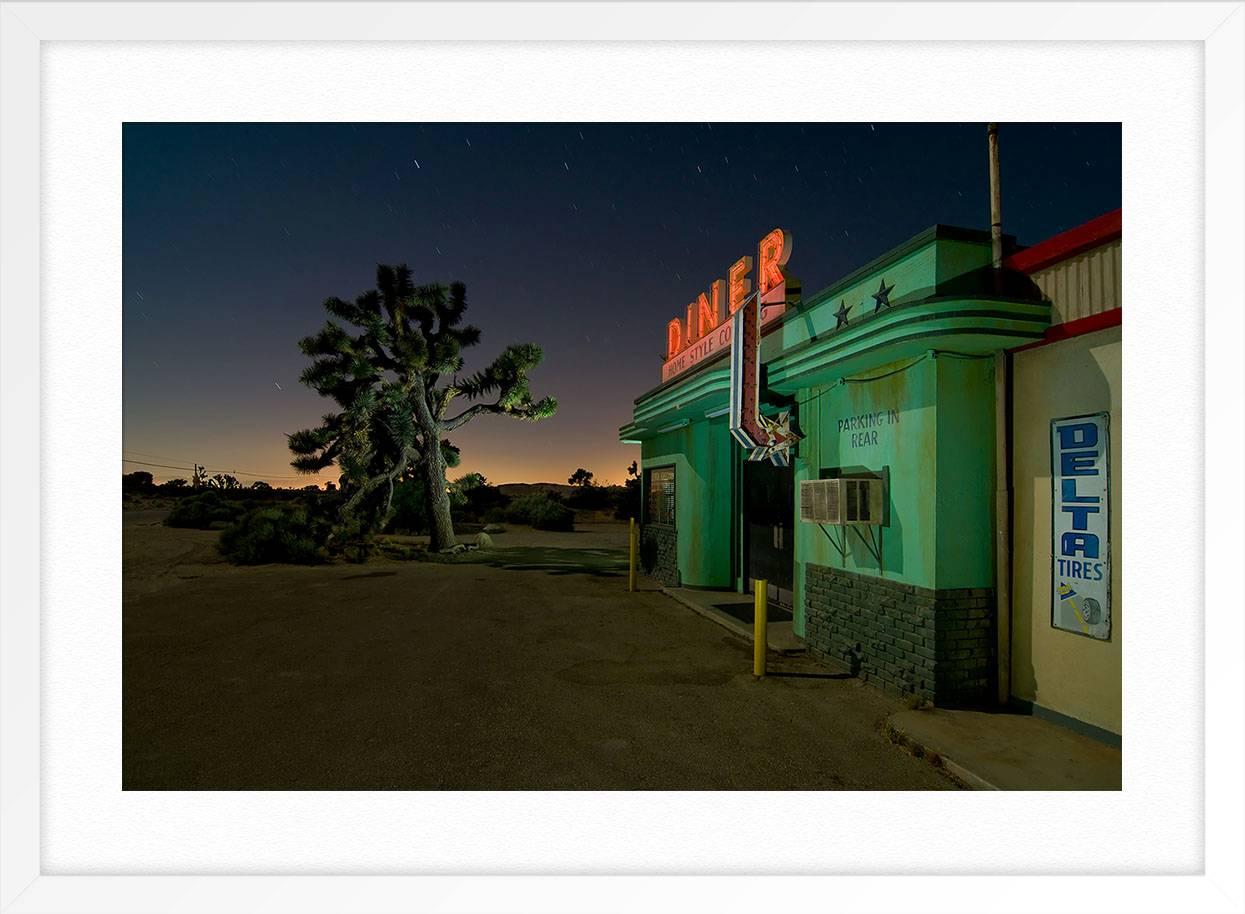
x,y
760,608
631,561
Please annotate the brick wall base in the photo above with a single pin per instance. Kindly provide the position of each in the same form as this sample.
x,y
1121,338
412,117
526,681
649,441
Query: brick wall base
x,y
659,553
937,644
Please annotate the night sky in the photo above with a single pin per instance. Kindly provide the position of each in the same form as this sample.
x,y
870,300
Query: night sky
x,y
583,238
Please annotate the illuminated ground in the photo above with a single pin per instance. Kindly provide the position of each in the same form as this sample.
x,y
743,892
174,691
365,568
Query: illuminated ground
x,y
529,668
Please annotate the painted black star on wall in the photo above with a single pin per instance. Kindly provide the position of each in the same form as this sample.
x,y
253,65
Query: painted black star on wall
x,y
841,314
882,297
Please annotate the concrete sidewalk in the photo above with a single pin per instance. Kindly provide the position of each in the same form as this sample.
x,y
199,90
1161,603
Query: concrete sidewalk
x,y
779,636
1001,751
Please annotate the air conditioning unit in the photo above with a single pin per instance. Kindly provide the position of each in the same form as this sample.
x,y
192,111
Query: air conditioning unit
x,y
842,501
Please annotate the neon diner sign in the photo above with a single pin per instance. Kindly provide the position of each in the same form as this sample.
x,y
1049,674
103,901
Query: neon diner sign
x,y
705,329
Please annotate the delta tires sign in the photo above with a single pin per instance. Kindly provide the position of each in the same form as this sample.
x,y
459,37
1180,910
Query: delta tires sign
x,y
1081,525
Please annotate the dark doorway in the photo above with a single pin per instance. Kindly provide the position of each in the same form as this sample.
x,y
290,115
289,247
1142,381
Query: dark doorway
x,y
769,519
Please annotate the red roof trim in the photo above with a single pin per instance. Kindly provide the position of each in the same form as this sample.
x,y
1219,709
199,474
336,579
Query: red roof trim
x,y
1091,324
1106,227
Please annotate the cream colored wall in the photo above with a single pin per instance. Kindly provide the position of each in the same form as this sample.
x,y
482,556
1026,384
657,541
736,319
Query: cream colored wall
x,y
1062,671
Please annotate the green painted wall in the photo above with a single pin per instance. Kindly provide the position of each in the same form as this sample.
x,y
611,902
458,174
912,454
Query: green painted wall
x,y
936,437
905,442
966,478
956,258
701,453
912,276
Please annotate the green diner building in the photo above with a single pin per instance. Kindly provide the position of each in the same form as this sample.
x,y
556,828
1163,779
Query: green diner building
x,y
900,372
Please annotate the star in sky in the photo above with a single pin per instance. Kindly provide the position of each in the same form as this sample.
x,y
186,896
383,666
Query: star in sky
x,y
841,314
507,185
882,297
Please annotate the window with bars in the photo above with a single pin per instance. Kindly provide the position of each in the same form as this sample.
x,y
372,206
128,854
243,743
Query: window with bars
x,y
659,504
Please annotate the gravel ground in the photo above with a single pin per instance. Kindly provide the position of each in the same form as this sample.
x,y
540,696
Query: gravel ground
x,y
535,669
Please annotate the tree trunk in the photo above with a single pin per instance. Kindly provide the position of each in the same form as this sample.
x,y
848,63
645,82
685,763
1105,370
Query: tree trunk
x,y
433,463
442,525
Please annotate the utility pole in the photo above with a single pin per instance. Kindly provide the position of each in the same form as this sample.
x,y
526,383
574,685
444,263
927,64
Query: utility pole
x,y
996,207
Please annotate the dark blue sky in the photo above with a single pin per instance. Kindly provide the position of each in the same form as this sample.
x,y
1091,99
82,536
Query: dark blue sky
x,y
584,238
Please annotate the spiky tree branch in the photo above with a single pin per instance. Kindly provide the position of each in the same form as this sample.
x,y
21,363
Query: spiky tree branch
x,y
385,379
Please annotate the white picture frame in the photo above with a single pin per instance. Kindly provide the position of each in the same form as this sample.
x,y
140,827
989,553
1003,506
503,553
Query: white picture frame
x,y
27,884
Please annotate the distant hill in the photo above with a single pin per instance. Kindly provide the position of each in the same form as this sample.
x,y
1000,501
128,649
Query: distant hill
x,y
515,489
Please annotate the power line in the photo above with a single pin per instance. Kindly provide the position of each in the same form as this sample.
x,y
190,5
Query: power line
x,y
167,466
152,456
143,463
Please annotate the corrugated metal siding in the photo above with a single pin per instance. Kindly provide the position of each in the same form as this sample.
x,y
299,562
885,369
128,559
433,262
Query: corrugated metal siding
x,y
1083,285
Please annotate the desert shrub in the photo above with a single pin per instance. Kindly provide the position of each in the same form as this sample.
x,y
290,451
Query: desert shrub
x,y
553,515
627,499
283,533
410,510
482,501
519,511
202,511
139,481
462,487
590,498
542,511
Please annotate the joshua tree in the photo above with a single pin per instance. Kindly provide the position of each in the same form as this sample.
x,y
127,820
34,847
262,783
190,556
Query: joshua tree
x,y
394,377
581,477
224,481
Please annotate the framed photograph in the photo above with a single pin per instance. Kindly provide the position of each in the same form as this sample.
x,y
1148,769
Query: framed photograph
x,y
577,455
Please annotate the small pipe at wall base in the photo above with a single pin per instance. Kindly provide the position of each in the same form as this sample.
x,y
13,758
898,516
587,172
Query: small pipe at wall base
x,y
1003,524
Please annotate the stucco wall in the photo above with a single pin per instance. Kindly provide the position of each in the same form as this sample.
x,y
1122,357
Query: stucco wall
x,y
701,454
1062,671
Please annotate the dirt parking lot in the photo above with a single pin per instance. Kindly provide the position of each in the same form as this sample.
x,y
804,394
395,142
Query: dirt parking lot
x,y
528,668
